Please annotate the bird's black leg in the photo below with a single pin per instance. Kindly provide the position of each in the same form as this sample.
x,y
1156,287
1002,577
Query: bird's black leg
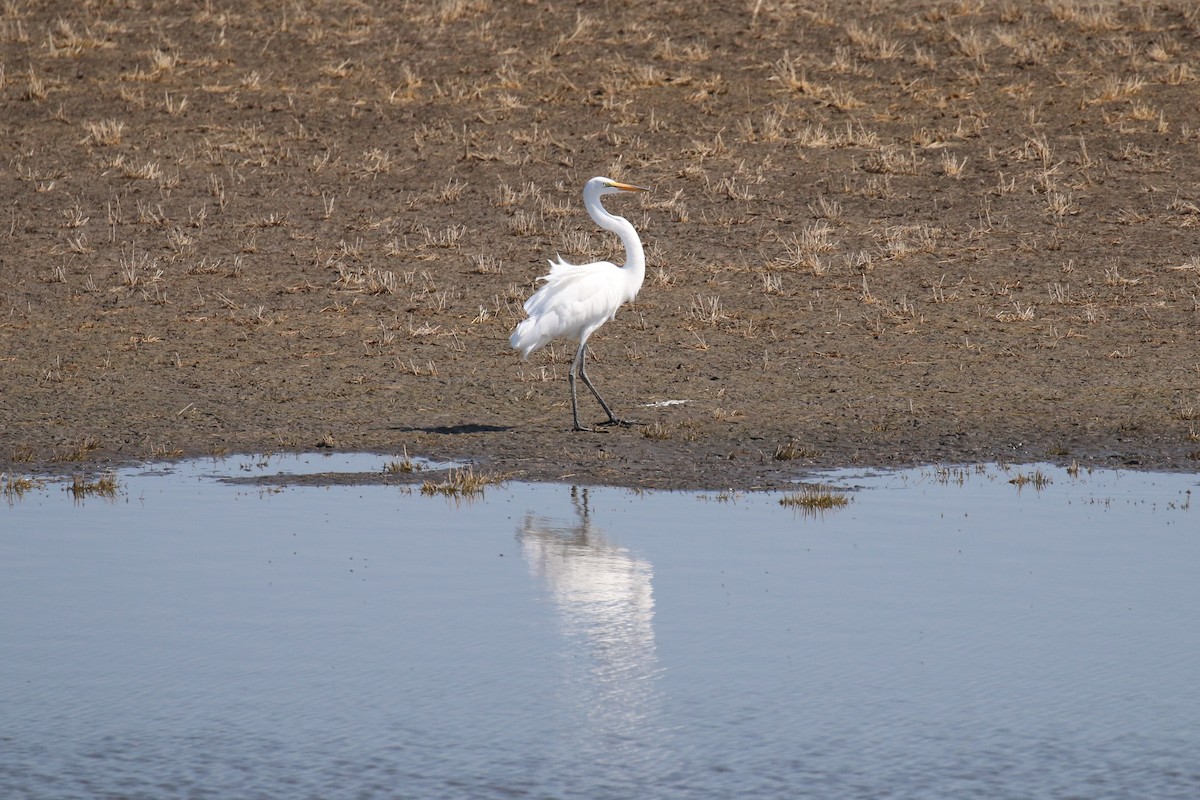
x,y
577,364
612,420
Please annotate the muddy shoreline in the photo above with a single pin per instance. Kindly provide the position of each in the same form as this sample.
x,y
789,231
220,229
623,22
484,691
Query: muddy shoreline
x,y
902,235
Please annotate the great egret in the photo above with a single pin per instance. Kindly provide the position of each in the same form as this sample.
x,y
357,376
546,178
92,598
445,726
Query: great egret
x,y
578,298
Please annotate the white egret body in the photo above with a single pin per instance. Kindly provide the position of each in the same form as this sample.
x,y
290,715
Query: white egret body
x,y
578,298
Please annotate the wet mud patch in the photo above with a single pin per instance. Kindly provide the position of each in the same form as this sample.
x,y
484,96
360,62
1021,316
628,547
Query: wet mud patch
x,y
901,234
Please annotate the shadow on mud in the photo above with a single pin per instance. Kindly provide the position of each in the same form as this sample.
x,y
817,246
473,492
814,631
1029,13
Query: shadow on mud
x,y
452,430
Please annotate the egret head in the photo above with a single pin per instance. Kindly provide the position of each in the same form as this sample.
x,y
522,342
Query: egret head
x,y
609,186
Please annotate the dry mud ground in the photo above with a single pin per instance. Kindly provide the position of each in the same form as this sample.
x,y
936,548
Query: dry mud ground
x,y
880,233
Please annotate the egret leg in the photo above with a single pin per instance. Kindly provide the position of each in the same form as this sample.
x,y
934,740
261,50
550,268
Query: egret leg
x,y
576,365
612,420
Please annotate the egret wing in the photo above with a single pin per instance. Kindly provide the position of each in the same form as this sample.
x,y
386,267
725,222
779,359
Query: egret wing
x,y
574,300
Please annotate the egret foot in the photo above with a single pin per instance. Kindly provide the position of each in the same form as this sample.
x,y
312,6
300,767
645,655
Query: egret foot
x,y
624,423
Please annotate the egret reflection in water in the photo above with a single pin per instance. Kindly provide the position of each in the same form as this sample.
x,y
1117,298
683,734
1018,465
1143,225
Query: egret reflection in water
x,y
605,602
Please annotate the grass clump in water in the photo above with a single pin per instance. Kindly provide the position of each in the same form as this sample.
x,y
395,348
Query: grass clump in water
x,y
815,499
462,483
104,486
1038,479
14,487
402,466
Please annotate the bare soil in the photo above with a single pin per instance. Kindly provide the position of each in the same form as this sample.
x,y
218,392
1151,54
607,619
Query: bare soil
x,y
880,233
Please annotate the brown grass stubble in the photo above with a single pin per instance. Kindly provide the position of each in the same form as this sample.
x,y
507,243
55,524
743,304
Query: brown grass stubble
x,y
909,233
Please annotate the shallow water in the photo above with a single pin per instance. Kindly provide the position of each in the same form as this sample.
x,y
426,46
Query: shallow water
x,y
946,634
